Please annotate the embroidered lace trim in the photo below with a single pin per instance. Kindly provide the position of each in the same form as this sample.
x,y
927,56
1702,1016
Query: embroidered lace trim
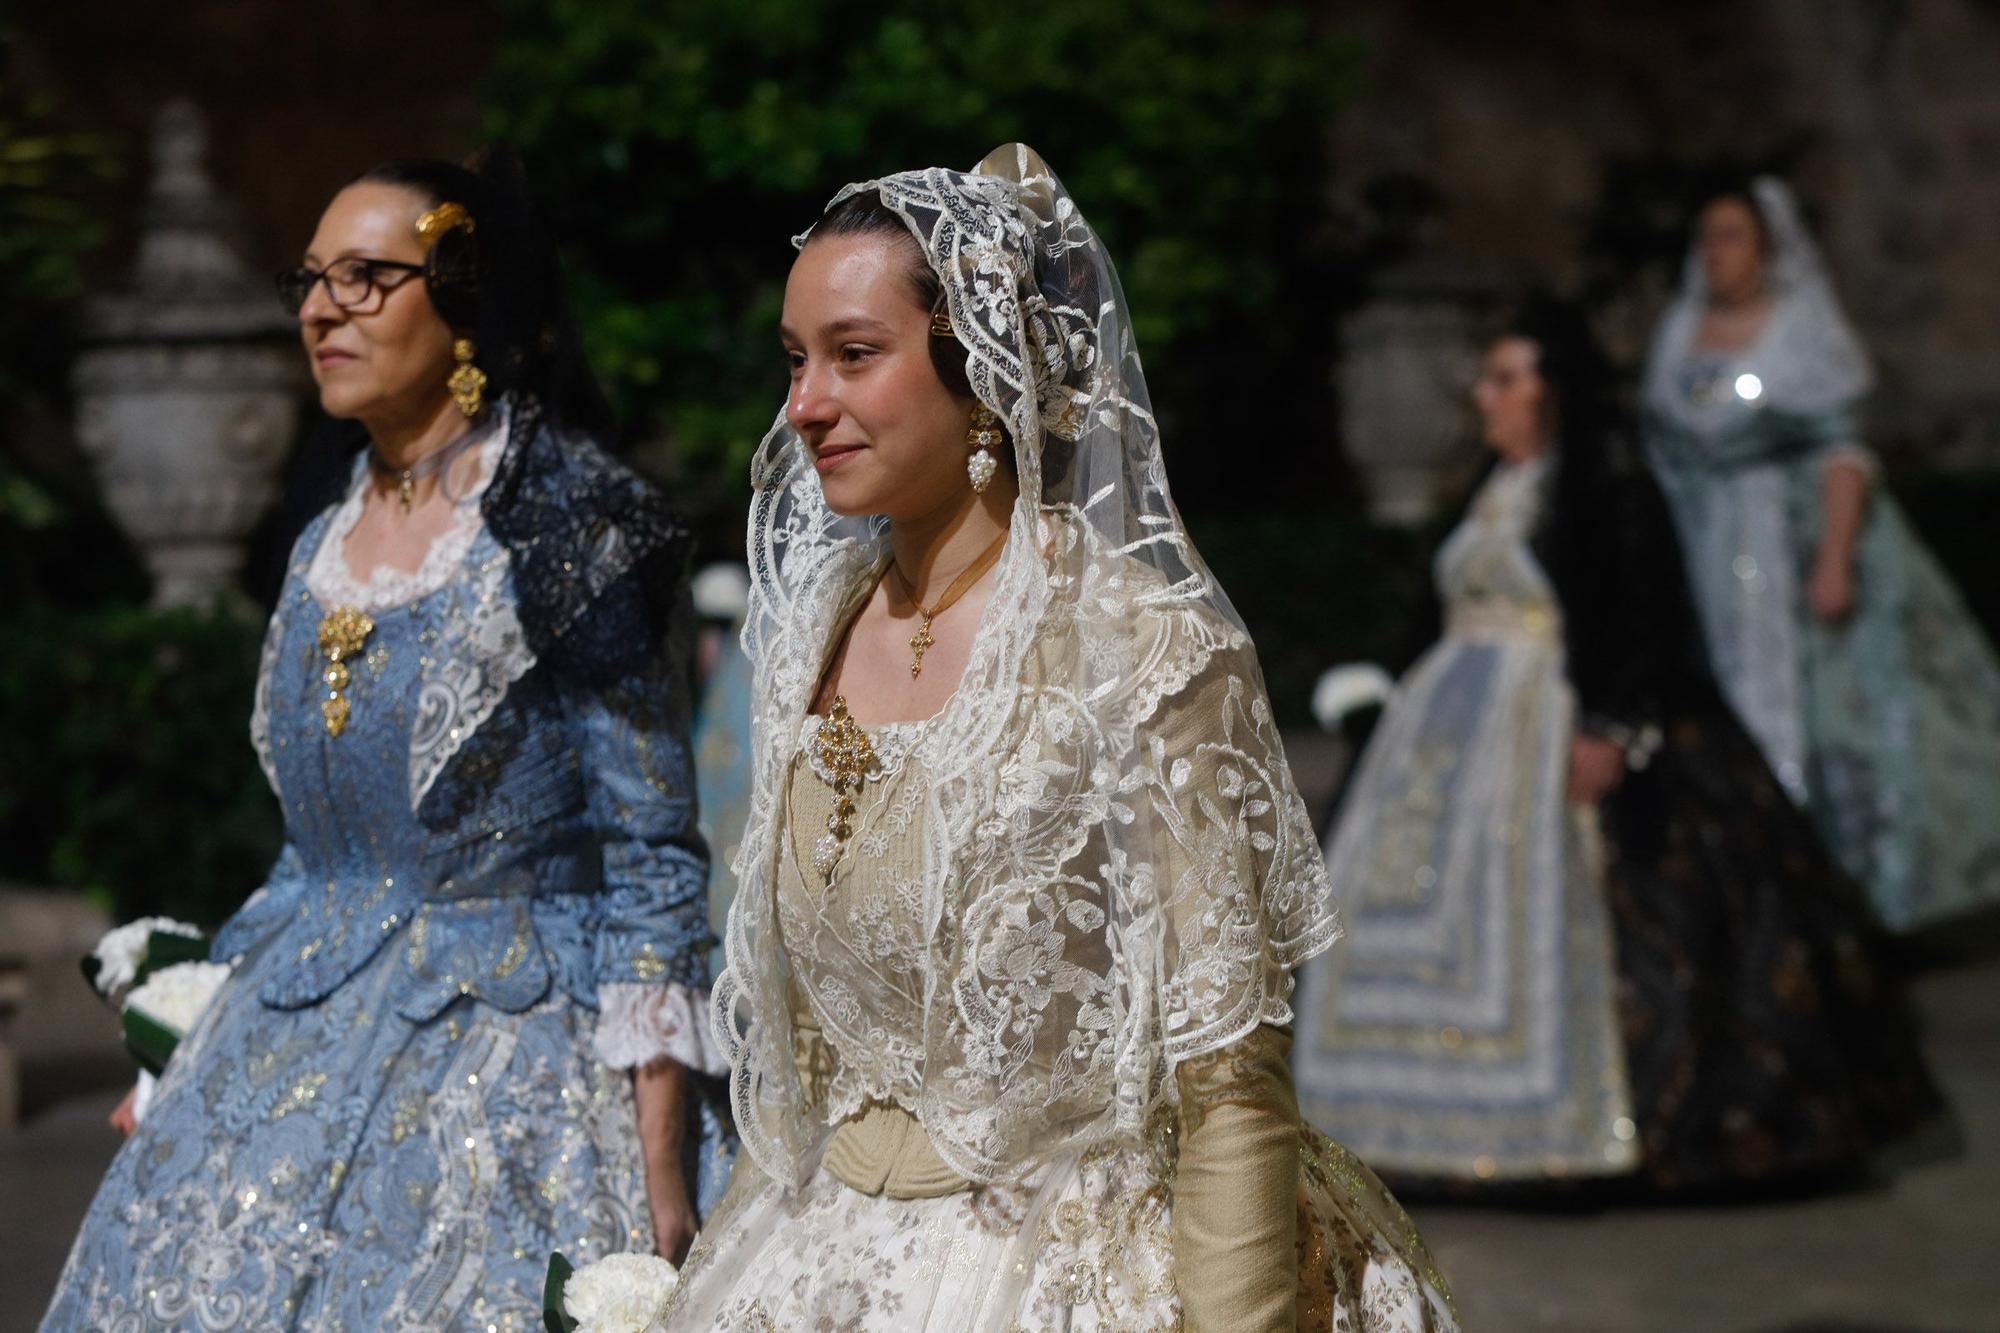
x,y
639,1022
333,581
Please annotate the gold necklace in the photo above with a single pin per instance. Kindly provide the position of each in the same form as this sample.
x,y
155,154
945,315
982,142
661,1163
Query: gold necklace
x,y
845,752
921,642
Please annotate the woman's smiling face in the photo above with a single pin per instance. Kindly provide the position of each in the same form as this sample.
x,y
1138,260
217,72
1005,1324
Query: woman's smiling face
x,y
885,434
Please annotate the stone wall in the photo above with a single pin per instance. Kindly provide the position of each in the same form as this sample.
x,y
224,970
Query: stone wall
x,y
298,98
1501,134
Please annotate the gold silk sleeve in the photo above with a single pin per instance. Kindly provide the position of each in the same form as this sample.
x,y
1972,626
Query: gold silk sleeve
x,y
1236,1190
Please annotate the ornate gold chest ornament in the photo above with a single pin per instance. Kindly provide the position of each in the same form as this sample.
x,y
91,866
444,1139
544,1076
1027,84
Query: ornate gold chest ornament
x,y
844,752
341,636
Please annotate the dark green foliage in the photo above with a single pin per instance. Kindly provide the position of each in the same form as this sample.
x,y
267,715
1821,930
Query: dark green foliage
x,y
554,1318
125,763
48,223
1317,590
681,146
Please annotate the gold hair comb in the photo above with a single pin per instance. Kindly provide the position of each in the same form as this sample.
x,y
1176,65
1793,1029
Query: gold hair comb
x,y
442,219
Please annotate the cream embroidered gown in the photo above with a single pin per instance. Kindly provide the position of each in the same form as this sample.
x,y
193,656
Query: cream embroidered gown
x,y
1467,1030
885,1236
1014,1060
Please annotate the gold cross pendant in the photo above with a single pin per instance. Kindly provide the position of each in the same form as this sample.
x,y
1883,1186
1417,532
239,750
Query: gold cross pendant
x,y
921,643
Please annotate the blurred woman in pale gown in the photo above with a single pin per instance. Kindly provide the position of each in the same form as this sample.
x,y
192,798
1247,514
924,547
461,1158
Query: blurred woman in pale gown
x,y
1841,644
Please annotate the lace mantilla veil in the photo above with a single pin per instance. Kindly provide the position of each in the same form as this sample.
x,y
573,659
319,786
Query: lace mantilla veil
x,y
1117,872
1809,357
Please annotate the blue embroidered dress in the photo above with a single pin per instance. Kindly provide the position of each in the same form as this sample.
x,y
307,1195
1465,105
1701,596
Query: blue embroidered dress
x,y
1886,726
393,1111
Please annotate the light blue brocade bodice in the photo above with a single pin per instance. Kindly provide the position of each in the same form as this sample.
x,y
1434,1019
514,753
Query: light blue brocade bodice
x,y
506,832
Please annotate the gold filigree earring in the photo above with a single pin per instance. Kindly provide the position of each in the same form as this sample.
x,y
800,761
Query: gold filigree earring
x,y
984,437
468,382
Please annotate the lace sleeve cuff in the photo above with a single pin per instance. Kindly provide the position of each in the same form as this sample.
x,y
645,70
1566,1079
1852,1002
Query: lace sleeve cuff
x,y
640,1022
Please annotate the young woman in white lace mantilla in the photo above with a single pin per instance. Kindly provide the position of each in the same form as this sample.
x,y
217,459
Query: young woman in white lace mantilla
x,y
1025,874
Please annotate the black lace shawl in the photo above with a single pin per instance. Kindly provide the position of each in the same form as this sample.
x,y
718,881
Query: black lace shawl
x,y
600,560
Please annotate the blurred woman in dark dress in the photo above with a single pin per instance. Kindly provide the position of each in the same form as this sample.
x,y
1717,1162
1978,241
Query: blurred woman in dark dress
x,y
1589,935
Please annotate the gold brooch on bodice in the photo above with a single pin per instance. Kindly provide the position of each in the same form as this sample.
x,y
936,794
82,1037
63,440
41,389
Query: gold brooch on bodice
x,y
341,635
846,755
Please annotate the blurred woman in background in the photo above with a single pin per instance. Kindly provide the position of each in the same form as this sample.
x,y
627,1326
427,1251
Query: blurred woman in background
x,y
466,1004
722,729
1588,936
1841,644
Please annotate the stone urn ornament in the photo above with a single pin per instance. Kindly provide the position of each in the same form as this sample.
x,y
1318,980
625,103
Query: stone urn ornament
x,y
187,385
1408,356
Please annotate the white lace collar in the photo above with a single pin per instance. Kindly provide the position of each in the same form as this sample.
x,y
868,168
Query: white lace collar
x,y
332,581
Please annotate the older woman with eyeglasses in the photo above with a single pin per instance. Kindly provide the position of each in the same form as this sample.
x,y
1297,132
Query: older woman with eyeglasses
x,y
466,1024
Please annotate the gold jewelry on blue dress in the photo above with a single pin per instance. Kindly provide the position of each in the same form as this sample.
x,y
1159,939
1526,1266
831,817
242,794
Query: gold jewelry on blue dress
x,y
341,635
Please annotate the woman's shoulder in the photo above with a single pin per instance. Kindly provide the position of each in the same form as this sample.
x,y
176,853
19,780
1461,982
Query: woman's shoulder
x,y
562,492
1155,600
579,471
599,556
1155,630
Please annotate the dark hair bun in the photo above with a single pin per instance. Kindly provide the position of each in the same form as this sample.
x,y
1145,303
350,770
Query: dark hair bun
x,y
500,282
451,276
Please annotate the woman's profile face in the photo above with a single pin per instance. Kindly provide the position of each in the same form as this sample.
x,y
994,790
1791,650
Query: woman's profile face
x,y
1732,248
885,435
387,357
1509,394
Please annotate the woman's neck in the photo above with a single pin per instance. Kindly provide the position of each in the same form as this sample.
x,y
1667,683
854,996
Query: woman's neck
x,y
932,549
1737,300
1522,451
403,440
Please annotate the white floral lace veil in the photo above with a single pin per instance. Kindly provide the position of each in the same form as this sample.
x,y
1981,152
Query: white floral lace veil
x,y
1118,873
1808,359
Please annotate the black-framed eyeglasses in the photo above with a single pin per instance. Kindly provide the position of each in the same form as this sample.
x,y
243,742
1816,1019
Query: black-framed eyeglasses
x,y
349,282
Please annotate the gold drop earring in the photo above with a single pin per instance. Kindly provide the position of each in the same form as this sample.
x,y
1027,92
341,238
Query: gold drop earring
x,y
983,437
468,382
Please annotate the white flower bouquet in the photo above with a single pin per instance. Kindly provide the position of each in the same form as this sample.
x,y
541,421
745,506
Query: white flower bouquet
x,y
163,1009
125,955
620,1293
1349,689
155,972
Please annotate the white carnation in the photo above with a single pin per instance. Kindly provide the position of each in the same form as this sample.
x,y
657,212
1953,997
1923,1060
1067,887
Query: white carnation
x,y
1346,689
174,996
721,591
122,952
620,1293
